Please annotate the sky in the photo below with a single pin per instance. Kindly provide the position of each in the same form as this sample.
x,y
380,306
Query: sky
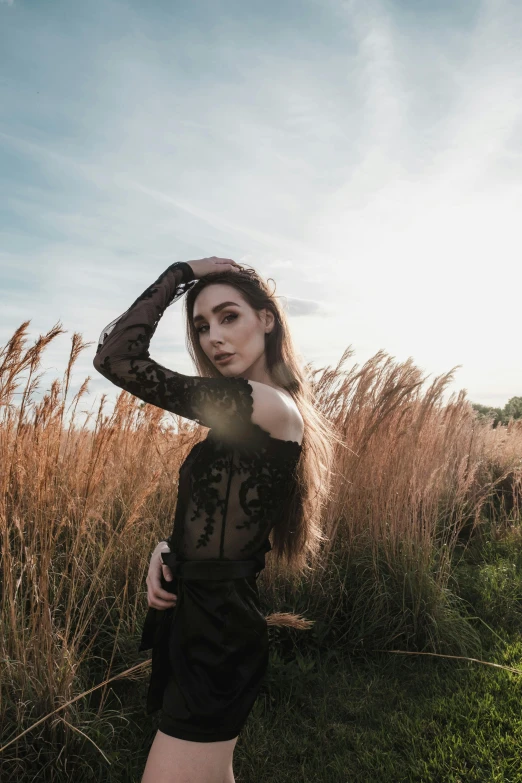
x,y
364,155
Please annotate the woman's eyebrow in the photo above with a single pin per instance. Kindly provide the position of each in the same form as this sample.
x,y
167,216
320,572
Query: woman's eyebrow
x,y
215,309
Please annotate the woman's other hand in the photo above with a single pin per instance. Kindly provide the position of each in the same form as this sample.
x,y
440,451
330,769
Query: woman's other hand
x,y
157,597
204,266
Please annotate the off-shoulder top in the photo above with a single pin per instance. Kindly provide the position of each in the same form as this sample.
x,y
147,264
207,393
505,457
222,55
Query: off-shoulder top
x,y
235,484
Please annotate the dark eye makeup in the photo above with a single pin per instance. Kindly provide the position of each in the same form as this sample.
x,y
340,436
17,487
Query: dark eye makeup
x,y
230,315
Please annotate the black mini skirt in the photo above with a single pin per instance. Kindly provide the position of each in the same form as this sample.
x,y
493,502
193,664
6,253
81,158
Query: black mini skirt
x,y
209,656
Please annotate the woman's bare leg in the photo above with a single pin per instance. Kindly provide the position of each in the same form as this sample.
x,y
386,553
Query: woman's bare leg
x,y
229,777
173,760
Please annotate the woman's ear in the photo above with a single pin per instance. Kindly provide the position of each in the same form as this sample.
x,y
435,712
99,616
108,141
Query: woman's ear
x,y
269,320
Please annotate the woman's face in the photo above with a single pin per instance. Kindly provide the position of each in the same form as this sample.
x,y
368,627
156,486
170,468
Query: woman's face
x,y
226,323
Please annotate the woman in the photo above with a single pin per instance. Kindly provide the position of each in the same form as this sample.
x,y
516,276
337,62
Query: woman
x,y
262,469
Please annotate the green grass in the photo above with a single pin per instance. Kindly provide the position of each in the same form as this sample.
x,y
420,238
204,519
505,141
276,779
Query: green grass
x,y
335,715
393,718
389,719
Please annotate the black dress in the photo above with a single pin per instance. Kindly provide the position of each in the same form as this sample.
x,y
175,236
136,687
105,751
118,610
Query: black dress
x,y
210,651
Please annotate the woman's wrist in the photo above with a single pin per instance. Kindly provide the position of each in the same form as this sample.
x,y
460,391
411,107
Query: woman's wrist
x,y
188,272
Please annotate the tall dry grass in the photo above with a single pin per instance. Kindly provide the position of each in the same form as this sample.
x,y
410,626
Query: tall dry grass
x,y
416,478
82,507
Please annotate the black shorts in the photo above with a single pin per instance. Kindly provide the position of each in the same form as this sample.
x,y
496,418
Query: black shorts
x,y
209,658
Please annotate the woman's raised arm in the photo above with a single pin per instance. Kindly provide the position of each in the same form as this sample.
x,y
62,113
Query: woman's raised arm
x,y
123,358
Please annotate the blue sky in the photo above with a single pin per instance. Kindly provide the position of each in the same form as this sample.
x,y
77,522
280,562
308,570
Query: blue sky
x,y
366,155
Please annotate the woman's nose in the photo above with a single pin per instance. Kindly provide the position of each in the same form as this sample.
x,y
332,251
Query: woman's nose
x,y
215,338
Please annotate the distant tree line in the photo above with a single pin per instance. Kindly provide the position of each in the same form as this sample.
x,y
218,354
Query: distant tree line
x,y
511,410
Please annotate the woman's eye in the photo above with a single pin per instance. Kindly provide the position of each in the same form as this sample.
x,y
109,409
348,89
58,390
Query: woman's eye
x,y
230,315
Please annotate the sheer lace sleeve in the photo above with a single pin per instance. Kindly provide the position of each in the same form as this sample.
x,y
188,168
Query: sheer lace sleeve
x,y
122,356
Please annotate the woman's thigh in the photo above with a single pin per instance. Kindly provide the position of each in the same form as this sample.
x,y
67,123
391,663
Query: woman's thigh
x,y
173,760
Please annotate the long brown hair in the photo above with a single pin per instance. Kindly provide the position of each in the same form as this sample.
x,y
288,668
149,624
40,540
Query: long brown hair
x,y
297,539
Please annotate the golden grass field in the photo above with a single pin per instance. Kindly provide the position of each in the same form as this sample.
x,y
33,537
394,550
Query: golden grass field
x,y
83,506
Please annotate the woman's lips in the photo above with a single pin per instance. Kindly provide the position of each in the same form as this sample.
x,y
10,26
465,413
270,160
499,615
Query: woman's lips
x,y
225,358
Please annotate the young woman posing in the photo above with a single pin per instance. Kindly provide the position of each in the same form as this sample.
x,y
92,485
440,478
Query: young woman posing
x,y
263,470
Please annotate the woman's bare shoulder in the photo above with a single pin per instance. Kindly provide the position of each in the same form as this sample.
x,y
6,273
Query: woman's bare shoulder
x,y
276,412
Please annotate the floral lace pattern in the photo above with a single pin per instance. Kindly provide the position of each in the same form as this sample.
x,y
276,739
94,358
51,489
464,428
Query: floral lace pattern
x,y
234,485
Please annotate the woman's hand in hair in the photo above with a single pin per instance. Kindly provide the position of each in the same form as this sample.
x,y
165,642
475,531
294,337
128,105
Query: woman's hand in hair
x,y
204,266
157,597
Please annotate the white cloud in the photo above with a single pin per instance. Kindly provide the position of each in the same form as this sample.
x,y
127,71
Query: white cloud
x,y
297,307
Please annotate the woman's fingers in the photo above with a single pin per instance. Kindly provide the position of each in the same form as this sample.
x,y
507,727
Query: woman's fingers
x,y
167,573
159,592
155,589
161,599
225,263
229,263
204,266
157,603
157,597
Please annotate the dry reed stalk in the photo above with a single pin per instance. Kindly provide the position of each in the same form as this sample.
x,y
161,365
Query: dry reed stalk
x,y
457,657
133,669
289,620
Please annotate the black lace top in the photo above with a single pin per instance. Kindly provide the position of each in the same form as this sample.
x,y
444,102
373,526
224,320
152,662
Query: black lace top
x,y
237,483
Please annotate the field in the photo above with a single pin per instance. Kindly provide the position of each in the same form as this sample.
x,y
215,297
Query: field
x,y
424,558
